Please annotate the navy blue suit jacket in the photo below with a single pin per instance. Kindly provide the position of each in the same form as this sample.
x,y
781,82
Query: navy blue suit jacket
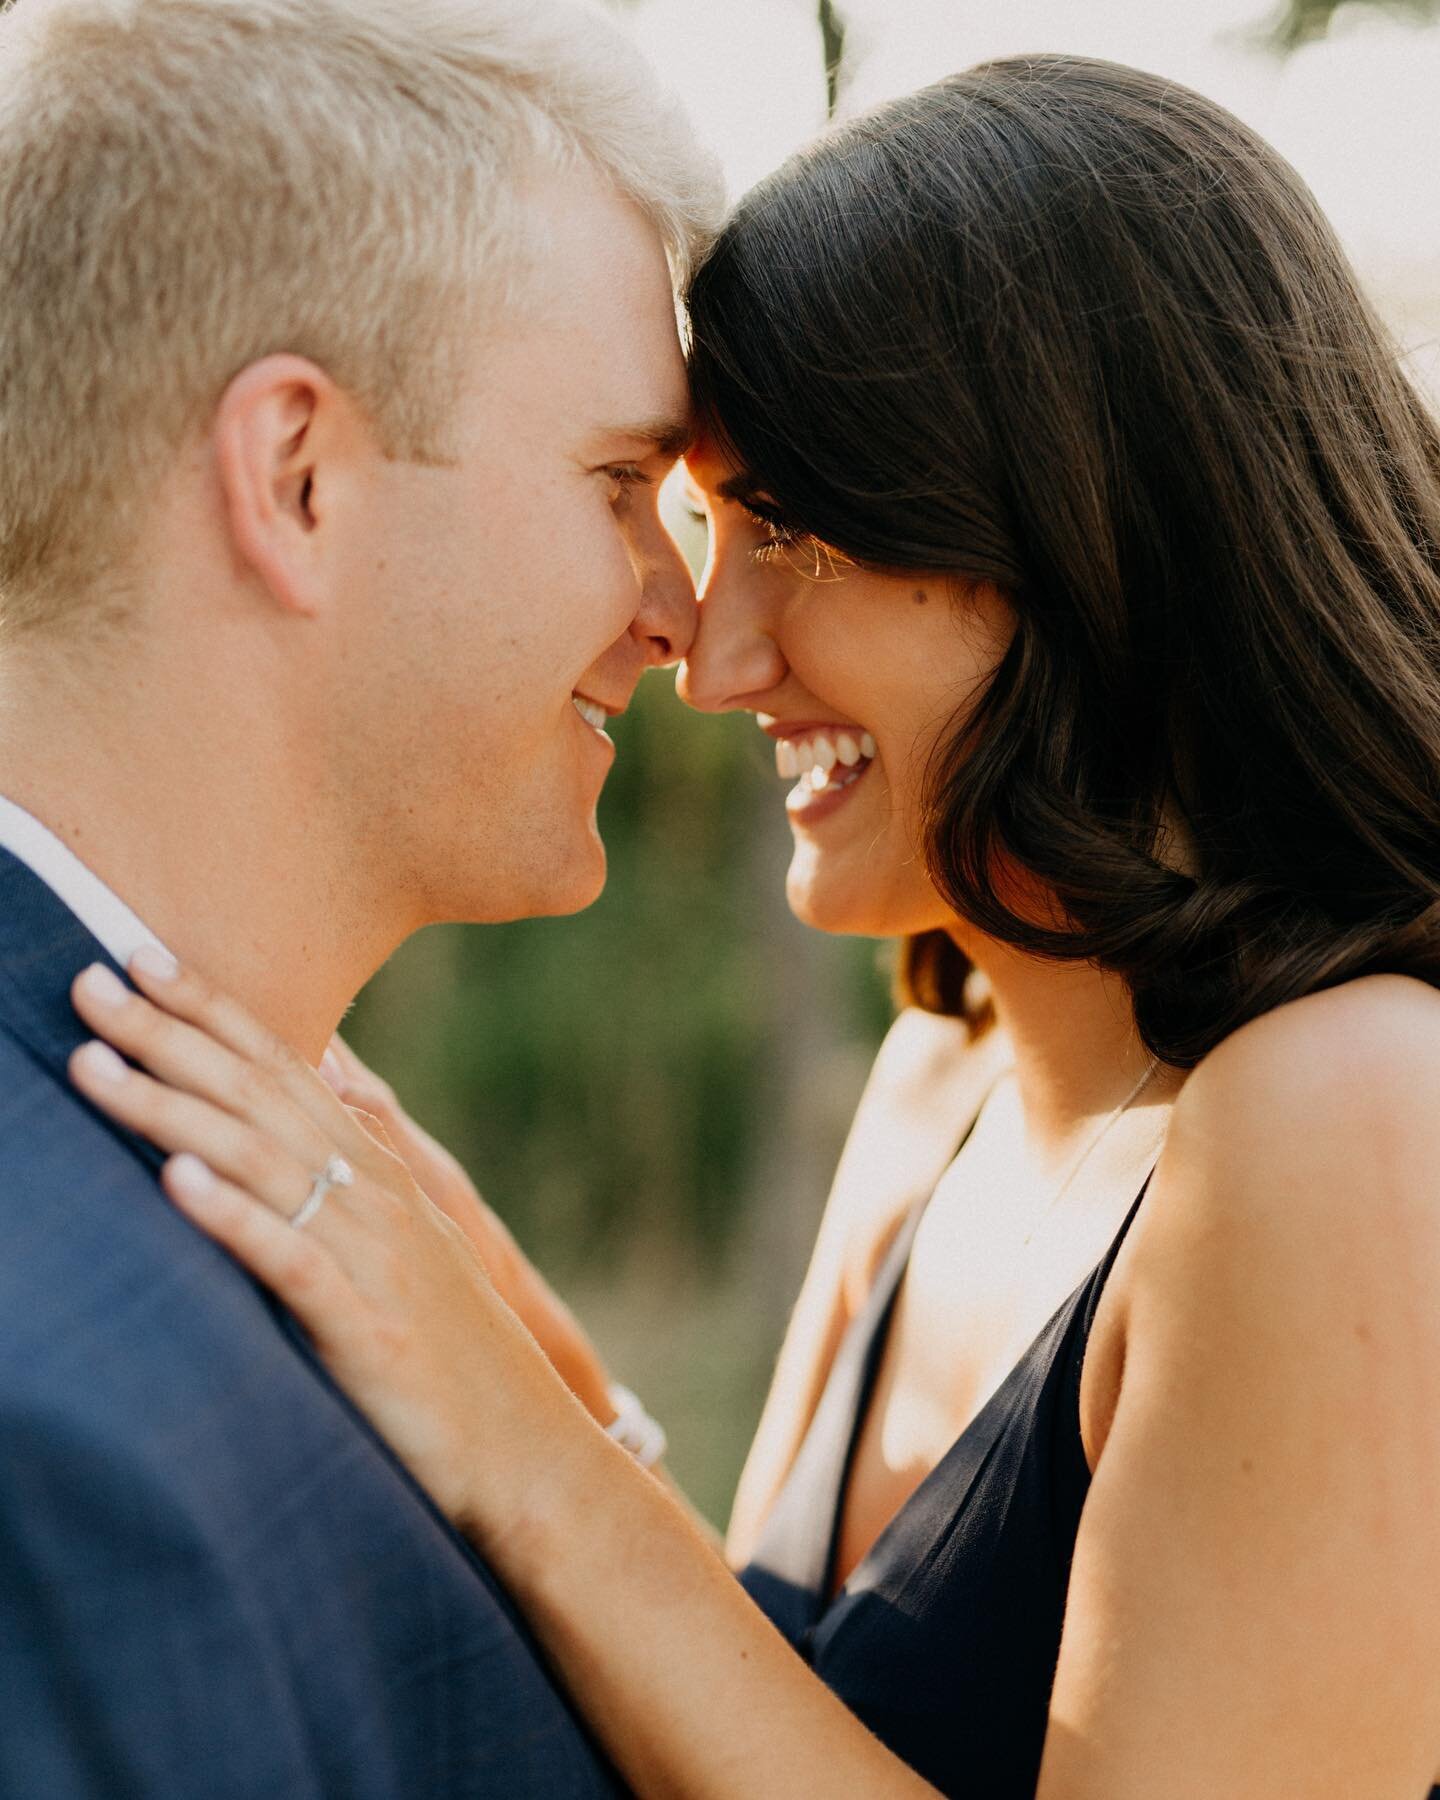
x,y
215,1581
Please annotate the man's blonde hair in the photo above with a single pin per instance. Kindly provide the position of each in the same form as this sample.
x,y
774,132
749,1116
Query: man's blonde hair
x,y
189,185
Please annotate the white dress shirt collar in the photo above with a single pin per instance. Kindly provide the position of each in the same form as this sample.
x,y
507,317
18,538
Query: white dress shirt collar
x,y
101,911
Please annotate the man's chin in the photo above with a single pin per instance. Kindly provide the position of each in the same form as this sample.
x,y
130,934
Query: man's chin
x,y
558,891
577,895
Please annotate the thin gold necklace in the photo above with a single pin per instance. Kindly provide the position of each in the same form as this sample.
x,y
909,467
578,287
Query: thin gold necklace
x,y
1084,1155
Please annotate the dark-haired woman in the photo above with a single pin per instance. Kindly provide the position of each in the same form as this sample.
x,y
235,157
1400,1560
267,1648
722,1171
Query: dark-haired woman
x,y
1077,539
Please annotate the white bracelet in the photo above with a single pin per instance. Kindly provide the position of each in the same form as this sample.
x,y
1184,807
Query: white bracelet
x,y
634,1429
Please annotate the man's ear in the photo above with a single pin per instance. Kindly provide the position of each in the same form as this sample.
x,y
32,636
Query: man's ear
x,y
280,431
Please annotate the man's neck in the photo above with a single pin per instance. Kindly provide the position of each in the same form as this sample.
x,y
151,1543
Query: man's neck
x,y
194,822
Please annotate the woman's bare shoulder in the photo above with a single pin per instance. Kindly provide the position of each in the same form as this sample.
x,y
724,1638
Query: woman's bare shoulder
x,y
920,1046
1345,1073
1302,1151
927,1062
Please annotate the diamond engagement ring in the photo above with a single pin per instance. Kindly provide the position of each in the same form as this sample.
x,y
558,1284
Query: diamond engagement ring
x,y
337,1173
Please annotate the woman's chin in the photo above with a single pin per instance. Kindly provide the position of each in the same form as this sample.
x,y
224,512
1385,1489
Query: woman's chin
x,y
841,908
862,903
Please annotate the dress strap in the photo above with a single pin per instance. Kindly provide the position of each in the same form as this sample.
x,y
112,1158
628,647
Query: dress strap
x,y
1096,1284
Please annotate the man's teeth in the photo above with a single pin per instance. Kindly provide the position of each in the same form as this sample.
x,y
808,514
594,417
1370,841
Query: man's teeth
x,y
590,711
815,756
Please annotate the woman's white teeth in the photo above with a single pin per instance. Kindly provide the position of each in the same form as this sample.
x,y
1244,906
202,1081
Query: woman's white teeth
x,y
821,757
590,711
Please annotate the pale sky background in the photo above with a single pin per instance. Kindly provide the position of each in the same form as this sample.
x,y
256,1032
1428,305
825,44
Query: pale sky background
x,y
1358,113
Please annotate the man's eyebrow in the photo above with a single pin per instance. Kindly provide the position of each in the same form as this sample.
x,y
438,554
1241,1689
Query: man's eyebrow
x,y
670,437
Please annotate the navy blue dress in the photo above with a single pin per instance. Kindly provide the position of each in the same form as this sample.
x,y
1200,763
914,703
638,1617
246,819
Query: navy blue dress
x,y
945,1638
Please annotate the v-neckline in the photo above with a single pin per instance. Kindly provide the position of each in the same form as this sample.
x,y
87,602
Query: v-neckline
x,y
879,1315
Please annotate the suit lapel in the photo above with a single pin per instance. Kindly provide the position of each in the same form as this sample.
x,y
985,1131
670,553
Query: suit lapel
x,y
43,947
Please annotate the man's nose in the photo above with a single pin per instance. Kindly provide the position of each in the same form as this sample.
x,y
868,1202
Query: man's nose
x,y
734,659
665,625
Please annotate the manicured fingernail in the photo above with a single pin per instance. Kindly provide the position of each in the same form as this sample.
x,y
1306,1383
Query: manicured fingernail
x,y
103,986
103,1063
158,964
331,1071
190,1178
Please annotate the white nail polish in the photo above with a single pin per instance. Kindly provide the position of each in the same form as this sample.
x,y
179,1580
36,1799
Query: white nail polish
x,y
158,964
190,1177
104,1063
103,986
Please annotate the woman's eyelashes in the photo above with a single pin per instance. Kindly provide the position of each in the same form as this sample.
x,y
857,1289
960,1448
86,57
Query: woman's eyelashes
x,y
800,550
778,533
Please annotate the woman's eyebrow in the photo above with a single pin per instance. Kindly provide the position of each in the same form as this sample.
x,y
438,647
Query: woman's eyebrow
x,y
741,487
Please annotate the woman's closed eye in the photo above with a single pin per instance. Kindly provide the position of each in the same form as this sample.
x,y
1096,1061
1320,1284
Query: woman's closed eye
x,y
778,533
799,549
778,536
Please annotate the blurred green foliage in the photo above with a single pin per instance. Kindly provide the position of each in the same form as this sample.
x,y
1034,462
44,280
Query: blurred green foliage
x,y
832,47
1302,21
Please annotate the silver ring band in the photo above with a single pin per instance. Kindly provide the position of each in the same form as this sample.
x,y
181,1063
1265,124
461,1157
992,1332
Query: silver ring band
x,y
337,1173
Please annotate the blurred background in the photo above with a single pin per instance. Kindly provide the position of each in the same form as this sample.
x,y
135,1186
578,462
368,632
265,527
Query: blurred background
x,y
654,1094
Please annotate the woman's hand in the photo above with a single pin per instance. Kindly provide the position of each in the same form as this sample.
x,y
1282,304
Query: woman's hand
x,y
445,1183
391,1289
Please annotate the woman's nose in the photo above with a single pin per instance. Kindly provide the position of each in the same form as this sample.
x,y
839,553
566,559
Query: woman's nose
x,y
734,658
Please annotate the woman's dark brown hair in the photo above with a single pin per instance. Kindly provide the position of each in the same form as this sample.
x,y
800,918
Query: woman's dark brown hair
x,y
1072,329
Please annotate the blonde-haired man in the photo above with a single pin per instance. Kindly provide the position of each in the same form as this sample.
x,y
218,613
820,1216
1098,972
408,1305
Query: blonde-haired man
x,y
338,368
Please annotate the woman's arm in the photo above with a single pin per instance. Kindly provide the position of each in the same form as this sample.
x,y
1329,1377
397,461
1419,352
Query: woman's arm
x,y
1254,1609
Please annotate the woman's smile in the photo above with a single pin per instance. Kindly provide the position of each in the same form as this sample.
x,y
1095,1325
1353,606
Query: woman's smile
x,y
825,761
